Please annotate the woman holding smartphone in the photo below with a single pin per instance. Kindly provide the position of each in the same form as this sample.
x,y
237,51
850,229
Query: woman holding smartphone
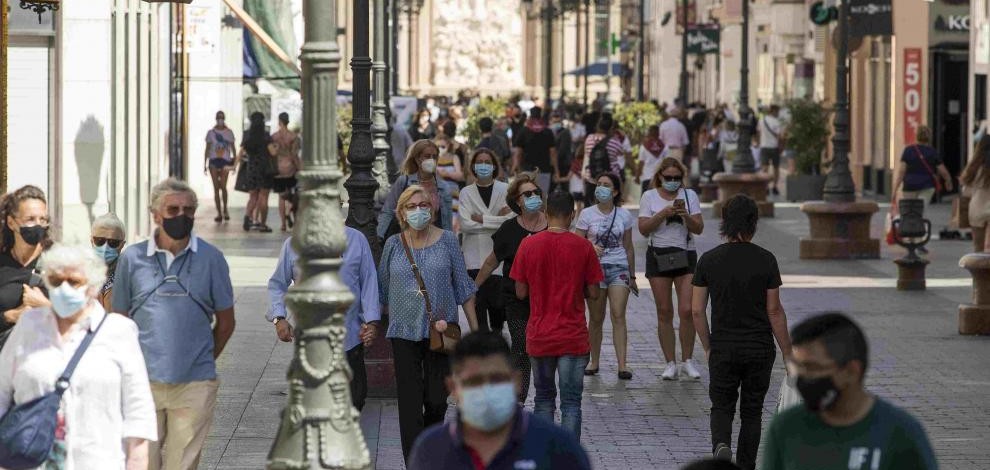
x,y
668,216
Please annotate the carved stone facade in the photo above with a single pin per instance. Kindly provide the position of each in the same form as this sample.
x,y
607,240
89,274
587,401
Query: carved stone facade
x,y
477,43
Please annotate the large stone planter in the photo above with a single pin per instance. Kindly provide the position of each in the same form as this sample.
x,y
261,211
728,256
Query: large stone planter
x,y
805,187
840,231
974,318
753,185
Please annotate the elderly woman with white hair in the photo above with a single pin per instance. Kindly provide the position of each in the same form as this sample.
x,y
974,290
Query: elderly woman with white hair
x,y
108,241
107,415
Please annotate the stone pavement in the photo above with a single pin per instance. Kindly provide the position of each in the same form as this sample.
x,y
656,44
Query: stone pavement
x,y
918,360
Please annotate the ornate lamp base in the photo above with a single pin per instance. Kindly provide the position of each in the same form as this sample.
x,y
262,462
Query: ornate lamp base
x,y
840,231
974,318
753,185
911,273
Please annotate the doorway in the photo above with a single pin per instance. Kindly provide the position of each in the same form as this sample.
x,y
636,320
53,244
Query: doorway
x,y
950,72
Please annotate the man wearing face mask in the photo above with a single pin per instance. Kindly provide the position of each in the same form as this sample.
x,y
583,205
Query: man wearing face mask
x,y
491,430
841,424
174,285
108,241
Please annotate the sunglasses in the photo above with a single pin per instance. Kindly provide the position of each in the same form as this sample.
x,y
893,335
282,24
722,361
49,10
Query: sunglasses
x,y
537,192
672,178
99,241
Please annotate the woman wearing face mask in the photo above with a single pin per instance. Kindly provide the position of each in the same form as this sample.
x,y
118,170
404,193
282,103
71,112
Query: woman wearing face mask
x,y
108,241
107,415
525,198
220,162
25,235
420,169
668,216
609,228
420,372
421,127
482,212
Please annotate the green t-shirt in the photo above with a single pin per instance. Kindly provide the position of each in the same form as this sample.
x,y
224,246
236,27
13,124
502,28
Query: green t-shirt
x,y
888,438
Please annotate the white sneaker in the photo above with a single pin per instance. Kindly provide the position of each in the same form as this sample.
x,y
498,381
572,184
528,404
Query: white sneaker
x,y
690,370
670,373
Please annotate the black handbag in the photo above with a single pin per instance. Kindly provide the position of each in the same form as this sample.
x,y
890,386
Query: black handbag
x,y
673,260
27,431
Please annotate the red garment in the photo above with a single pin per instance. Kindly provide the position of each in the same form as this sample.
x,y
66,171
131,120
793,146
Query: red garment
x,y
653,145
557,267
476,461
535,125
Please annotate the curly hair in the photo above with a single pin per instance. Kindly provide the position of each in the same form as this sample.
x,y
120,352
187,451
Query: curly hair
x,y
739,217
10,204
512,193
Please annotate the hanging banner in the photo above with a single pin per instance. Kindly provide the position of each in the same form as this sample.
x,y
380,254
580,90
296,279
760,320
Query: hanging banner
x,y
912,92
871,18
703,39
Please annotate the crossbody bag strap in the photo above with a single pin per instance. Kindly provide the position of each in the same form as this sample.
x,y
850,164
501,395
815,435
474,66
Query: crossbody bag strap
x,y
924,162
419,277
687,205
62,384
608,233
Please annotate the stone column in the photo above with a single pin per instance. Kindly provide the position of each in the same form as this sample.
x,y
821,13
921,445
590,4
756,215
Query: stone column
x,y
974,318
379,107
319,427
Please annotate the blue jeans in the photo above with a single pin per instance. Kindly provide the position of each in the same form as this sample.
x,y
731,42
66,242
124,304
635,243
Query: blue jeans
x,y
570,369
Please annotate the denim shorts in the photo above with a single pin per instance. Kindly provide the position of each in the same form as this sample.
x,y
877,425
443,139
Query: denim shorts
x,y
615,275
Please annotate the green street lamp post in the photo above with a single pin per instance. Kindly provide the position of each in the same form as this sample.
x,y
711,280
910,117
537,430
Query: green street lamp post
x,y
319,427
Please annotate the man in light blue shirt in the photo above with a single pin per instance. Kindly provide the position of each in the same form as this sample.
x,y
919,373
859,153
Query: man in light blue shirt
x,y
173,286
357,272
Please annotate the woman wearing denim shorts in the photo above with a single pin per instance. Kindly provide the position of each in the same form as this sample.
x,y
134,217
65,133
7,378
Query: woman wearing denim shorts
x,y
609,228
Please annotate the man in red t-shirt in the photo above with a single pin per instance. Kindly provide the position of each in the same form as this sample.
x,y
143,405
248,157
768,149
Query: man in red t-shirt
x,y
557,269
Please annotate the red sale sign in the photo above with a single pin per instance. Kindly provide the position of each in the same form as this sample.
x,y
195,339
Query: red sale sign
x,y
912,92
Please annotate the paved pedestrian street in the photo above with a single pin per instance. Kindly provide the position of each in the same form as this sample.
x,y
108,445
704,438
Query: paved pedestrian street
x,y
919,361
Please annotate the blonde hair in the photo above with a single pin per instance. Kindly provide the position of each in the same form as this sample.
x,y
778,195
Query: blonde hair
x,y
410,166
400,206
669,162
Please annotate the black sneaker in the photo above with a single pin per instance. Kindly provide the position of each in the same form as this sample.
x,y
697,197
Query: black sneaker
x,y
723,452
247,224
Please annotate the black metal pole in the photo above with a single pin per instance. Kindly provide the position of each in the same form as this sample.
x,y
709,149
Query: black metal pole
x,y
587,51
744,162
682,89
393,39
547,53
563,60
640,95
839,186
361,185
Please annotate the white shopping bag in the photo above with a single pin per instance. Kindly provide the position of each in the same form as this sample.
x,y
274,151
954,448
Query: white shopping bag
x,y
789,395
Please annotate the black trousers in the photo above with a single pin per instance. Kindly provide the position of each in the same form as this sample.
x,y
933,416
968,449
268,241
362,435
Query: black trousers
x,y
517,314
488,303
739,373
359,383
419,379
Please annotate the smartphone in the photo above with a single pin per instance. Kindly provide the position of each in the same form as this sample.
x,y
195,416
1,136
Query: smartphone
x,y
679,204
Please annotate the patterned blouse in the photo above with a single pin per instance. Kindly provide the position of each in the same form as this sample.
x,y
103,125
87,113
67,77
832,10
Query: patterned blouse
x,y
442,267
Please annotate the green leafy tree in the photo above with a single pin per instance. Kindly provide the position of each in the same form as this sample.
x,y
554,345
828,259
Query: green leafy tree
x,y
807,134
344,115
491,107
635,118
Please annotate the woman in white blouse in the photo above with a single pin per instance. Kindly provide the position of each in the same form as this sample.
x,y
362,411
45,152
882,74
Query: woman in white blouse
x,y
107,415
482,211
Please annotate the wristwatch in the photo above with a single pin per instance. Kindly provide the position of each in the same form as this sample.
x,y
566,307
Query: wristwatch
x,y
276,320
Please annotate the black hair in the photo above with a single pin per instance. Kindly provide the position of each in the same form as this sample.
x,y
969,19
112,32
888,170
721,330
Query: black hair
x,y
616,187
590,120
256,135
536,112
843,339
486,124
450,129
712,464
739,217
560,204
606,123
283,118
10,203
479,344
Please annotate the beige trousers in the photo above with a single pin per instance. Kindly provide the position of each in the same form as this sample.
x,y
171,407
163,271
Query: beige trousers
x,y
185,413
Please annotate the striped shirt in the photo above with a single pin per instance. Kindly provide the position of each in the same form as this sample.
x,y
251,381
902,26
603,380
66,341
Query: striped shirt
x,y
616,151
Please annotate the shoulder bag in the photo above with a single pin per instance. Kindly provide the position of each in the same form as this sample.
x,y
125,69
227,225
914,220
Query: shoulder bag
x,y
27,431
445,342
938,184
674,260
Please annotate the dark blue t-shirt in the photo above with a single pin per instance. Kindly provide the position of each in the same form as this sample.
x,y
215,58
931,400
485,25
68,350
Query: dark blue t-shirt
x,y
535,444
918,177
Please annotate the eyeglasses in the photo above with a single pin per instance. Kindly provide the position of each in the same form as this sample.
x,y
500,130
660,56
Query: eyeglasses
x,y
99,241
672,178
173,211
422,205
537,192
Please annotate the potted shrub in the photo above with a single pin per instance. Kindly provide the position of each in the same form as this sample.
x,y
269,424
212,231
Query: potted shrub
x,y
807,136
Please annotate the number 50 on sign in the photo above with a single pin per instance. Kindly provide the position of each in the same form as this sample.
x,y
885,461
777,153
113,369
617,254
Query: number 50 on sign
x,y
912,92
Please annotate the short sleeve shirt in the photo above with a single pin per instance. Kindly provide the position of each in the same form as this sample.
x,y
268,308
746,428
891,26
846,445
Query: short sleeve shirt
x,y
505,242
917,177
220,143
536,149
672,233
174,314
606,231
616,151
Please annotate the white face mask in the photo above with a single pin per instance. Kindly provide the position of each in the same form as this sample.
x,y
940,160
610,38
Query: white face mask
x,y
429,165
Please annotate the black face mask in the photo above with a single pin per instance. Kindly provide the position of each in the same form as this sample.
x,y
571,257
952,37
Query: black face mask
x,y
818,394
33,235
178,227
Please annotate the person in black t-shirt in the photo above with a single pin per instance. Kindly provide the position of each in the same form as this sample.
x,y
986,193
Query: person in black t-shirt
x,y
536,149
743,281
24,227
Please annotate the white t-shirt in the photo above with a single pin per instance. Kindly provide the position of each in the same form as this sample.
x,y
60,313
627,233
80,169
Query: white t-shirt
x,y
650,162
669,235
596,224
769,132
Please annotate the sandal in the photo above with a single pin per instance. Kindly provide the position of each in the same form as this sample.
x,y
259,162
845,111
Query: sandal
x,y
625,375
264,228
218,219
226,215
590,372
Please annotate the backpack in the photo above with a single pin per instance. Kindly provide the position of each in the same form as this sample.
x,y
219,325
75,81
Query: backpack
x,y
599,161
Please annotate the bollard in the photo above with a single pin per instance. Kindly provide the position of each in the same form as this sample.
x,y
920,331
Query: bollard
x,y
974,318
907,229
709,192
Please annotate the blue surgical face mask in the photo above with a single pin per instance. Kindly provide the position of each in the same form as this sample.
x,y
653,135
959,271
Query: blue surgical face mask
x,y
671,186
533,203
107,253
488,407
484,170
603,194
67,300
418,218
